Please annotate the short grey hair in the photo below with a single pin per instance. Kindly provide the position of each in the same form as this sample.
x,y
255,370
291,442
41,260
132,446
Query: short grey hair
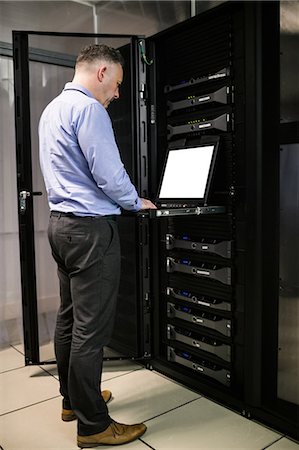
x,y
94,52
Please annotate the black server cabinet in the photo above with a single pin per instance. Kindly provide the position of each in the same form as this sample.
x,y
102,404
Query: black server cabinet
x,y
198,89
214,291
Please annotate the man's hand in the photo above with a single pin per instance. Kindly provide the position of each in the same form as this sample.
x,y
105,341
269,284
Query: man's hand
x,y
147,204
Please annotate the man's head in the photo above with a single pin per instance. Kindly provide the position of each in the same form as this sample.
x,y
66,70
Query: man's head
x,y
99,68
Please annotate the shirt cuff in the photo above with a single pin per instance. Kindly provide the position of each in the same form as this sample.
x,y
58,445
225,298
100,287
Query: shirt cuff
x,y
138,204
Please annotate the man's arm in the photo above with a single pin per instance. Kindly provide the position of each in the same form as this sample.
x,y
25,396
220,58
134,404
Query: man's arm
x,y
96,139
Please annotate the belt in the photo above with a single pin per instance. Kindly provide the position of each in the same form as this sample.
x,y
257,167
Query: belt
x,y
69,214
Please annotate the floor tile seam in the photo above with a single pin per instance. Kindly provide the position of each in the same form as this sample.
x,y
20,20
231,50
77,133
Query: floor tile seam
x,y
55,376
11,370
173,409
17,350
267,426
146,444
274,442
42,368
28,406
49,373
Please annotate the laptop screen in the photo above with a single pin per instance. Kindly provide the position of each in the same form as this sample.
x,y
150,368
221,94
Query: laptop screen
x,y
187,173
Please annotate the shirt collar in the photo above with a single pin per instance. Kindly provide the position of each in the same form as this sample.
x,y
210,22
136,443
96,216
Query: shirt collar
x,y
77,87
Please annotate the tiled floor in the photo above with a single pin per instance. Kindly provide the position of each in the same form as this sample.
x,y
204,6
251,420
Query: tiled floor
x,y
177,418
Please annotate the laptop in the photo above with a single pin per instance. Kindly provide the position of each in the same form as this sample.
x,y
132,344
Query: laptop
x,y
186,178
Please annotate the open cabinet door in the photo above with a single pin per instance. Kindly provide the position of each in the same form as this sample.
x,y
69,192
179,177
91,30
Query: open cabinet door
x,y
43,63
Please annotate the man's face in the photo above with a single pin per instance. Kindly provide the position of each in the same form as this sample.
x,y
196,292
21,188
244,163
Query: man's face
x,y
110,77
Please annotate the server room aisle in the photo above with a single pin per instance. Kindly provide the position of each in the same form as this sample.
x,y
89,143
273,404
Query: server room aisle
x,y
176,417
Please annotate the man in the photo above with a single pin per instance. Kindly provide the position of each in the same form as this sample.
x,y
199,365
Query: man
x,y
87,185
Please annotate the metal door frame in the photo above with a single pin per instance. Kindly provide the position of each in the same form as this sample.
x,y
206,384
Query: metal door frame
x,y
21,57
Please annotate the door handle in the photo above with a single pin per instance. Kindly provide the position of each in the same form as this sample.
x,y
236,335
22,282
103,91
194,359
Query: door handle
x,y
23,197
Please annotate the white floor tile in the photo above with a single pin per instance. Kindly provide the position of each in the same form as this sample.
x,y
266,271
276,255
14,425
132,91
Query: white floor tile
x,y
11,359
40,427
51,369
143,394
284,444
177,418
25,386
203,424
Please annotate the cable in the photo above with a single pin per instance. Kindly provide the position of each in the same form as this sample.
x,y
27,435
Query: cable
x,y
143,55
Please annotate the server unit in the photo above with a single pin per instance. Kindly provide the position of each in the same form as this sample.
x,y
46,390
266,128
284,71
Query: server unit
x,y
199,293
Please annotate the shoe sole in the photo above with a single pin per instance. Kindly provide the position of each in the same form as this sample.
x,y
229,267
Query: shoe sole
x,y
68,418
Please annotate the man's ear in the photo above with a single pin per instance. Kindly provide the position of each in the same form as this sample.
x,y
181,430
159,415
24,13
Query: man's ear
x,y
101,73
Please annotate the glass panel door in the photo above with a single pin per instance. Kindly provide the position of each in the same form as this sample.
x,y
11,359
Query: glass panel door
x,y
43,63
46,81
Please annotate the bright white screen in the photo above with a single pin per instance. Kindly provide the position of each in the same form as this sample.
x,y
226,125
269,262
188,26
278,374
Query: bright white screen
x,y
186,172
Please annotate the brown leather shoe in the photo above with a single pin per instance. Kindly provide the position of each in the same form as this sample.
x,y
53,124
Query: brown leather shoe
x,y
68,415
115,434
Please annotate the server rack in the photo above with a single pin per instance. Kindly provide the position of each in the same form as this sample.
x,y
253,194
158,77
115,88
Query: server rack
x,y
199,89
206,285
215,277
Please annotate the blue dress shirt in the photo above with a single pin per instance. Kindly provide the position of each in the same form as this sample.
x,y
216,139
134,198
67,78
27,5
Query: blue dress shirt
x,y
79,157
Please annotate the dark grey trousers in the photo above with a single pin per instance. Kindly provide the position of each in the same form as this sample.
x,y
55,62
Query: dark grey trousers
x,y
87,253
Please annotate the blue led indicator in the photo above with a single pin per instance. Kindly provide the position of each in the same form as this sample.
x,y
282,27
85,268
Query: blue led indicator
x,y
185,261
186,238
185,293
186,355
